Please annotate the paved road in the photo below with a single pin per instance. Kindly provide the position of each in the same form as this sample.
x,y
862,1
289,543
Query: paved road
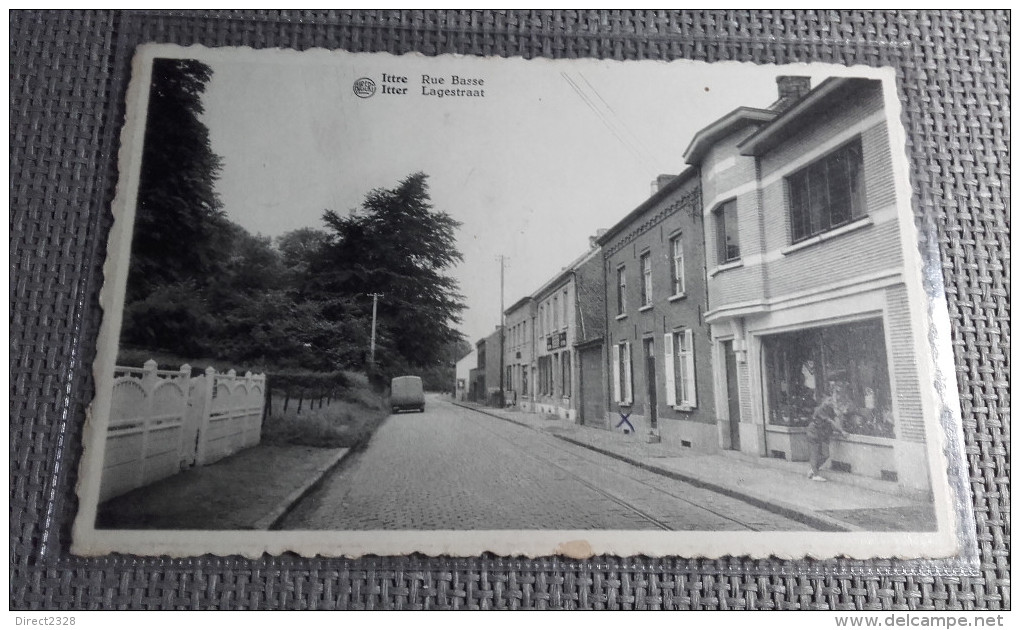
x,y
454,468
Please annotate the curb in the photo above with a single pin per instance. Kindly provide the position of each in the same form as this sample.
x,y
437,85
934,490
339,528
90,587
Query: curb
x,y
272,520
489,413
812,519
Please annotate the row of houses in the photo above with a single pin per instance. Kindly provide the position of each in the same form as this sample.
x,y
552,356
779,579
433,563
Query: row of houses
x,y
718,313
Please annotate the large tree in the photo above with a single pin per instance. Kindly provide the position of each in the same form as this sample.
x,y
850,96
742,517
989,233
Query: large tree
x,y
398,245
179,223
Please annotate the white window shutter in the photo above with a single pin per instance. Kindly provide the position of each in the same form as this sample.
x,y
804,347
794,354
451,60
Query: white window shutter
x,y
668,368
628,375
692,389
616,373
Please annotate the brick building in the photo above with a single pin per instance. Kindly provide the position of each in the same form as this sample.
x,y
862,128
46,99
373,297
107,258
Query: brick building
x,y
483,380
658,365
520,352
806,291
542,366
463,374
589,336
554,338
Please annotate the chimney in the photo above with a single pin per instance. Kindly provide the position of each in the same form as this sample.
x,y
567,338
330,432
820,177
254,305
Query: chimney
x,y
593,240
661,181
790,89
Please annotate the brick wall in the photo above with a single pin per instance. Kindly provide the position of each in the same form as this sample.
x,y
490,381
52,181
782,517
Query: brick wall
x,y
678,214
813,132
725,175
860,253
518,340
492,368
590,287
904,363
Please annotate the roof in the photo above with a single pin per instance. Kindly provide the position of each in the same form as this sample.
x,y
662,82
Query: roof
x,y
563,274
814,103
708,136
659,195
518,304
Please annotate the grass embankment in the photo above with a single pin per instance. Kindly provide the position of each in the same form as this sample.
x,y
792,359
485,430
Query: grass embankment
x,y
346,421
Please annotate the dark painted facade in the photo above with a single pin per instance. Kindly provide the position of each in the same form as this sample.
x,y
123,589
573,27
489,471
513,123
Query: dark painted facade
x,y
658,362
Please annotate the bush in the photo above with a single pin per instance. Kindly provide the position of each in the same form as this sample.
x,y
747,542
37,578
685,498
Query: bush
x,y
347,421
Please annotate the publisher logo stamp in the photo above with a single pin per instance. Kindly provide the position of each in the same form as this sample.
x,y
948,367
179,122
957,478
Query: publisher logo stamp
x,y
364,87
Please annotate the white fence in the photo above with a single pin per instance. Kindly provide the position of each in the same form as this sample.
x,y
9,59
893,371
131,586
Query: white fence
x,y
163,421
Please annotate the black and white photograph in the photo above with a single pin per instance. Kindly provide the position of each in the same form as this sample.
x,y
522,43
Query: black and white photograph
x,y
373,304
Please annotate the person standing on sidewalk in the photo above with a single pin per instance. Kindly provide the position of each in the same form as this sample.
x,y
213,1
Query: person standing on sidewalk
x,y
826,422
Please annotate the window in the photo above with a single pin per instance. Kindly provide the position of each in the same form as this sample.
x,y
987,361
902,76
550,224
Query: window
x,y
828,193
556,314
566,375
622,376
676,251
524,380
541,320
544,376
726,236
646,279
621,290
681,384
566,312
846,361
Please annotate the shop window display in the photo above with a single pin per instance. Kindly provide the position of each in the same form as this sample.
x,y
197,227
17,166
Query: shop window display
x,y
805,366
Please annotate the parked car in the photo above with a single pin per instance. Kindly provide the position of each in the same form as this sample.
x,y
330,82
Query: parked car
x,y
406,392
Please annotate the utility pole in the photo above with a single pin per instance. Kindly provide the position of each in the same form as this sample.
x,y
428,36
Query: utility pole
x,y
375,301
502,340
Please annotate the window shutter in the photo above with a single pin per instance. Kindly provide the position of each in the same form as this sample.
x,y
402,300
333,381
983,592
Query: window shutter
x,y
692,390
668,368
628,375
616,373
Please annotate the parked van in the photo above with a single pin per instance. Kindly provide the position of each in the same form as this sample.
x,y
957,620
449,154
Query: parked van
x,y
406,392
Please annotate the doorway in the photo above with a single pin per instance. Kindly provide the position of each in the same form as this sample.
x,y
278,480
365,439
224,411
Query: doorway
x,y
732,394
653,408
593,404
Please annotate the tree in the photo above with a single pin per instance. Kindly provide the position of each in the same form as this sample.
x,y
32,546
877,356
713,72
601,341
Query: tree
x,y
298,251
398,245
178,218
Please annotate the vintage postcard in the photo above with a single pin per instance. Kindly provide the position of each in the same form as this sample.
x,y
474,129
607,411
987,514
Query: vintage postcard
x,y
373,304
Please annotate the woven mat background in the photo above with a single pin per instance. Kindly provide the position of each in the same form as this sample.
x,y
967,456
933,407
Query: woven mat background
x,y
69,71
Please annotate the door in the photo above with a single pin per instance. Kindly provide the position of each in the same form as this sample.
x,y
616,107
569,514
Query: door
x,y
653,408
732,394
593,403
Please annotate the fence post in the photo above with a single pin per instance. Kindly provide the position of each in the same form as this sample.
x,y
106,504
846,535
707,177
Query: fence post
x,y
149,382
208,386
267,408
185,382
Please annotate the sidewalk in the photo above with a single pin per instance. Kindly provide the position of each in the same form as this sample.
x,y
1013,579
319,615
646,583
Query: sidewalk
x,y
844,503
252,489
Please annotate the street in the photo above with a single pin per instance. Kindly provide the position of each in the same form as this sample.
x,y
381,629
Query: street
x,y
455,468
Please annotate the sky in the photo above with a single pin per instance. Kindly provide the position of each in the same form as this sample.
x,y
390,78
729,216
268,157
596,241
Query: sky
x,y
552,152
